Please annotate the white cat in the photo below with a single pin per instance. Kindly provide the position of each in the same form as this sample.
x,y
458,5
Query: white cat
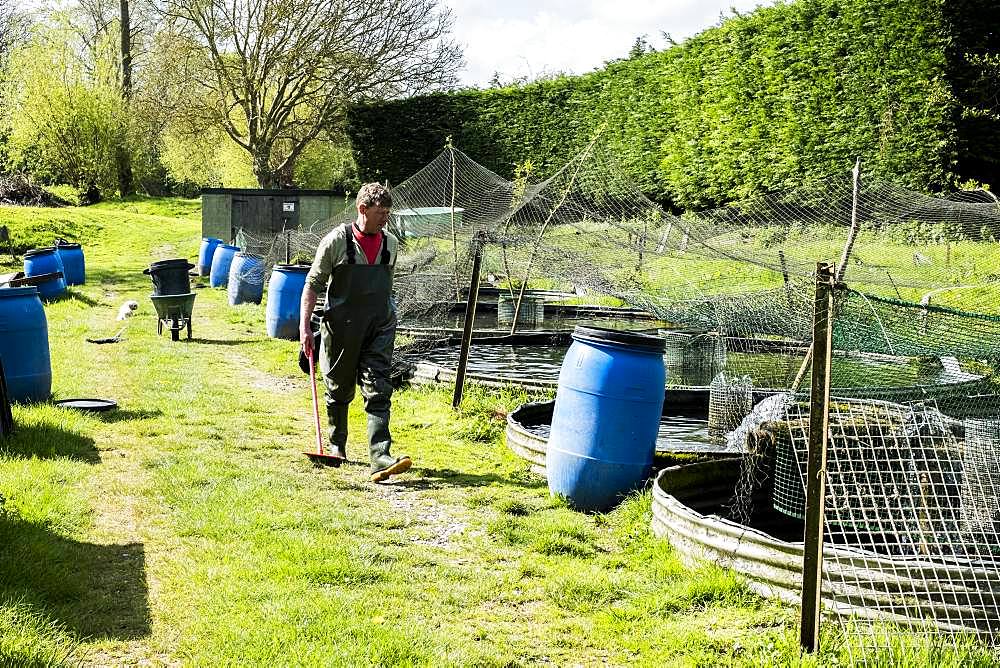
x,y
126,309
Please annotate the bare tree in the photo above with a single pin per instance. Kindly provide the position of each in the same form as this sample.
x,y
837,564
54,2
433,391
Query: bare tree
x,y
104,26
110,29
14,28
275,74
125,36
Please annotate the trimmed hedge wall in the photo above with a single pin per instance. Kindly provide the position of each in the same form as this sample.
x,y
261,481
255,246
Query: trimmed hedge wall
x,y
765,101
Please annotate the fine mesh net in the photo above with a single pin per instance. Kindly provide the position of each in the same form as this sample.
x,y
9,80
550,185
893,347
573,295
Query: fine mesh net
x,y
912,475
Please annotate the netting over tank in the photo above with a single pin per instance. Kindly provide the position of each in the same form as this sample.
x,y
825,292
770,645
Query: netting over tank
x,y
912,507
743,272
912,481
913,476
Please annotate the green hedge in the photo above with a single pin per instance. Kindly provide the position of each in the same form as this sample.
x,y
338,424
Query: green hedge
x,y
765,101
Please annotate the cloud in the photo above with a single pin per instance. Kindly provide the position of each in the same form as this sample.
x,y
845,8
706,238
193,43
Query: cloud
x,y
520,38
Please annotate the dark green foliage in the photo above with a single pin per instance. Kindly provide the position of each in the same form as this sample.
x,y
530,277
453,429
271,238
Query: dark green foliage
x,y
975,39
770,100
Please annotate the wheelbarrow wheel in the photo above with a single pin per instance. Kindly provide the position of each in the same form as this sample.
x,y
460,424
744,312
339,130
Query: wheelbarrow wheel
x,y
175,330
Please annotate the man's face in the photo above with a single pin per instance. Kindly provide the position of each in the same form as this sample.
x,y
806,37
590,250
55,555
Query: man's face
x,y
372,218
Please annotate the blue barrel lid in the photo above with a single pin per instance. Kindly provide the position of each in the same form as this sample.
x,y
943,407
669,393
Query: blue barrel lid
x,y
293,268
68,245
211,239
23,291
249,256
19,292
618,337
230,247
35,252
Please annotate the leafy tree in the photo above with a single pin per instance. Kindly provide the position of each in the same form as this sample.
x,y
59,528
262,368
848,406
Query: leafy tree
x,y
206,160
14,27
65,117
275,75
115,31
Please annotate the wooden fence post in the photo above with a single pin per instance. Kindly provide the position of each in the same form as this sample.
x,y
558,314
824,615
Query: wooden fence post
x,y
819,424
6,417
470,316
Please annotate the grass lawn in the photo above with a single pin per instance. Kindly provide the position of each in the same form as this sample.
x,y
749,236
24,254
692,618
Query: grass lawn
x,y
187,528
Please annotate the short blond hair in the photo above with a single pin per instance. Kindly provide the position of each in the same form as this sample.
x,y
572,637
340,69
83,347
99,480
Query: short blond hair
x,y
374,194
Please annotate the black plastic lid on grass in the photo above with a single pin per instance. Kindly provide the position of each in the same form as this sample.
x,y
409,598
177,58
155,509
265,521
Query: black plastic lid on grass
x,y
90,405
67,245
618,337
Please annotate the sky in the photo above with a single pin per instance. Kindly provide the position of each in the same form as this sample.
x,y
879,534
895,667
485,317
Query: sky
x,y
531,38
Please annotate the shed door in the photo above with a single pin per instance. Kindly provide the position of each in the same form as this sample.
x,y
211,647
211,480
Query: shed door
x,y
238,216
253,213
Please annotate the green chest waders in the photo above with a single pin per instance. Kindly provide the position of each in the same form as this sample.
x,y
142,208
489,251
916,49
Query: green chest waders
x,y
359,331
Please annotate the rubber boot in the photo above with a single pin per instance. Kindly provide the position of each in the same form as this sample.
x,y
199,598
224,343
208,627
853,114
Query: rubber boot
x,y
383,464
337,416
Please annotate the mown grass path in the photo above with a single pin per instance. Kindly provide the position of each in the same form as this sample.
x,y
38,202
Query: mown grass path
x,y
188,529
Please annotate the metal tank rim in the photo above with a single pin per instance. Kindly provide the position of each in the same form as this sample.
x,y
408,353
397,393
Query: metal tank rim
x,y
773,567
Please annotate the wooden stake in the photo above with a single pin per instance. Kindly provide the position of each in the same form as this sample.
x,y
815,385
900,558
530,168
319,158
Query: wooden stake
x,y
6,417
819,425
470,316
784,275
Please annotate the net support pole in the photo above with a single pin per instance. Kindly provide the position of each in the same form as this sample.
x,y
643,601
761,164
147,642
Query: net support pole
x,y
470,316
853,234
579,159
819,422
784,276
841,266
454,232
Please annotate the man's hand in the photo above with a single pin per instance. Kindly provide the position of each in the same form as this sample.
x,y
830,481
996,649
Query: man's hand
x,y
306,306
306,339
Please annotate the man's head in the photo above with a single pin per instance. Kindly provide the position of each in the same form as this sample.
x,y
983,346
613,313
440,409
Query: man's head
x,y
374,203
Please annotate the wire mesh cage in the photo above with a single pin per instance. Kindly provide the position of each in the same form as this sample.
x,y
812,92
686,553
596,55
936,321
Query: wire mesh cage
x,y
695,357
729,401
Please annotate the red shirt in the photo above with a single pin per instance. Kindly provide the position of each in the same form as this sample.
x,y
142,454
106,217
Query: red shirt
x,y
371,244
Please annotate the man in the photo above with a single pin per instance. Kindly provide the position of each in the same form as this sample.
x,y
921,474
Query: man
x,y
354,265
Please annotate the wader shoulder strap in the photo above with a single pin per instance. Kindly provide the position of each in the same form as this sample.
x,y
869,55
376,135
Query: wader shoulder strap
x,y
349,243
385,249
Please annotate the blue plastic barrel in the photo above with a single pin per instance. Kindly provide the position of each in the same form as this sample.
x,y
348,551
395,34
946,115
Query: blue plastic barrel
x,y
246,279
222,260
38,261
205,254
74,266
284,293
24,345
606,416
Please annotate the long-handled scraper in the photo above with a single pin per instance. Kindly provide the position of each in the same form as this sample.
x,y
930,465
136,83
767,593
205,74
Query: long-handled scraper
x,y
319,457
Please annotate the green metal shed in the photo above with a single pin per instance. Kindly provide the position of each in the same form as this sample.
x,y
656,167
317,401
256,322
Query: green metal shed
x,y
225,210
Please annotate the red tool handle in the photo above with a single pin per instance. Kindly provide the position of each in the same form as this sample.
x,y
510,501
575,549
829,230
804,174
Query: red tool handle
x,y
312,377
